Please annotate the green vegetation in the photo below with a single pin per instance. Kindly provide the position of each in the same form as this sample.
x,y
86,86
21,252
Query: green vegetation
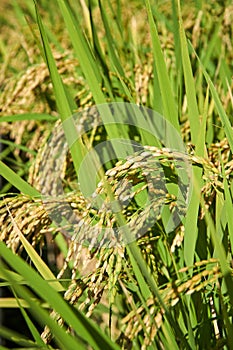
x,y
163,290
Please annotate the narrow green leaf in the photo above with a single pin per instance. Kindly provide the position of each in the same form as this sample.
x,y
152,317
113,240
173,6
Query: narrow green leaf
x,y
192,213
169,105
100,55
222,114
63,102
228,206
17,181
42,268
114,59
83,53
145,278
33,329
190,223
14,145
89,68
82,326
27,116
64,340
16,337
189,82
13,303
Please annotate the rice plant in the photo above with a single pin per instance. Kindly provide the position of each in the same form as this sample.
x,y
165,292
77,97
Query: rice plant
x,y
116,136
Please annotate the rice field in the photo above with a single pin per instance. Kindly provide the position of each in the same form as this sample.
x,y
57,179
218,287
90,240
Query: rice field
x,y
116,174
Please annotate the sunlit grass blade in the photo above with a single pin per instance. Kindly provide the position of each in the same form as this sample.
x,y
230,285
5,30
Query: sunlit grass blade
x,y
113,56
27,116
228,206
189,82
191,219
221,254
81,325
64,104
26,19
112,51
167,340
225,268
91,72
82,50
17,181
177,47
118,15
144,277
100,55
12,303
64,340
222,114
14,146
192,213
40,265
17,338
169,105
33,329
